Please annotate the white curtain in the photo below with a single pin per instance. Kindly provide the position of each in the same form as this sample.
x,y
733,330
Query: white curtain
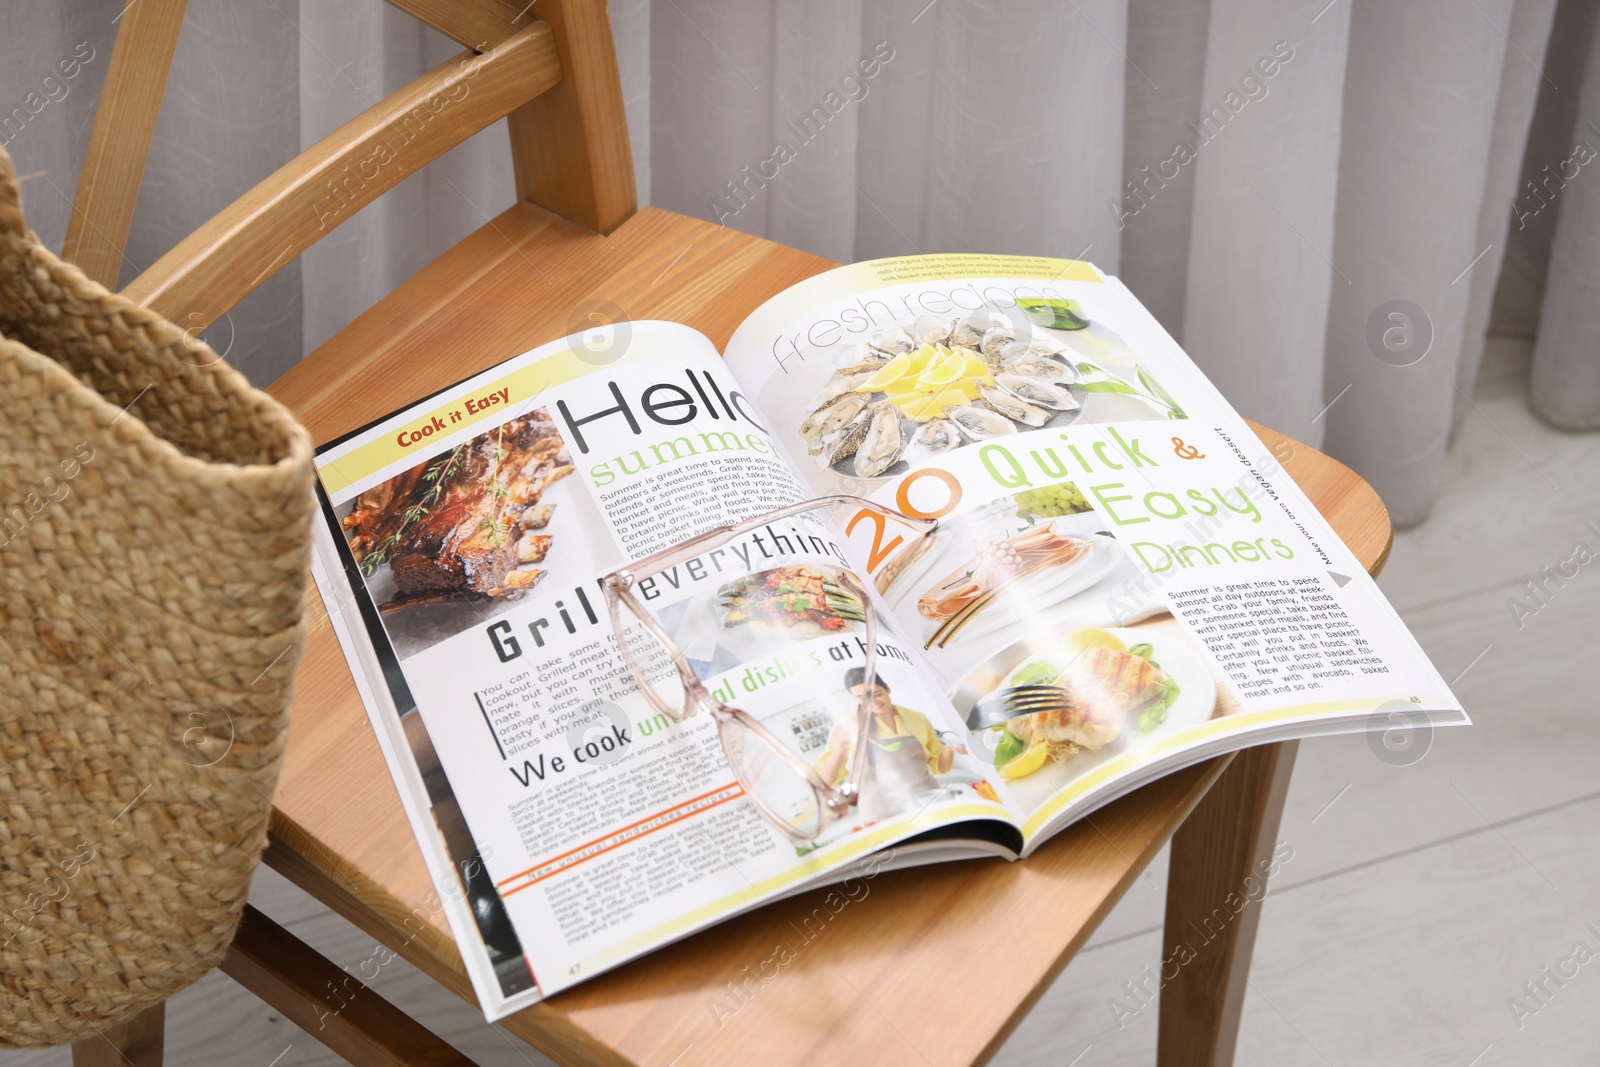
x,y
1270,176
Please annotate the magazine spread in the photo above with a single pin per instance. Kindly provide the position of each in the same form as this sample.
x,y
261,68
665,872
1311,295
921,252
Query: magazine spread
x,y
1066,567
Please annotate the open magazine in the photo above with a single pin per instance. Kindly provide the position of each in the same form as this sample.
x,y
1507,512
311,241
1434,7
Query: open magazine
x,y
1066,567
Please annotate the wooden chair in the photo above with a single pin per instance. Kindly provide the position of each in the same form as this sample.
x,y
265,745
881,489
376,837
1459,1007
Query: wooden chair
x,y
918,956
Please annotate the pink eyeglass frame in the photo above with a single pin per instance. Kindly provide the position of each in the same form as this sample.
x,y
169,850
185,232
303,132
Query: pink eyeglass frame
x,y
618,585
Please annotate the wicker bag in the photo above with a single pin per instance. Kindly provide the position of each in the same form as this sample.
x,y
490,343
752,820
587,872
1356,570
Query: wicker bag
x,y
156,515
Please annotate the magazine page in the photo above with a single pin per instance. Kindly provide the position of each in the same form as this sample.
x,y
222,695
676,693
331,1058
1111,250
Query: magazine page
x,y
466,544
1123,579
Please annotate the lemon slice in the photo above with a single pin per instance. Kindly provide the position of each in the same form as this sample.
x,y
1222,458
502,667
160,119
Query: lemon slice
x,y
911,404
903,389
893,371
921,359
975,366
944,370
1036,755
1093,637
920,407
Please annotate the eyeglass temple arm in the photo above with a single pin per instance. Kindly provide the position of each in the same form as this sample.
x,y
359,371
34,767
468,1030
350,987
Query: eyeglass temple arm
x,y
621,598
869,659
670,557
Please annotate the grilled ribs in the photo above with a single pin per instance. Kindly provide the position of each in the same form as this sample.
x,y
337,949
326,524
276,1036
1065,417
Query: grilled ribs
x,y
455,525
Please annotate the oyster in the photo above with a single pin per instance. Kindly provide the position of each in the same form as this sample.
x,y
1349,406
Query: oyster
x,y
843,443
893,340
1044,367
932,438
968,333
1037,391
883,442
865,367
1012,350
857,357
977,423
839,386
930,330
965,335
1013,407
996,338
1048,346
827,420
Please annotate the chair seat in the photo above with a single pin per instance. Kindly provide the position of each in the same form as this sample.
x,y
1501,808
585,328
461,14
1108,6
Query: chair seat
x,y
914,972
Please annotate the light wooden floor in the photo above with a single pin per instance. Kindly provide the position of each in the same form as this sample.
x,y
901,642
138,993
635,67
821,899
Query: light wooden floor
x,y
1419,900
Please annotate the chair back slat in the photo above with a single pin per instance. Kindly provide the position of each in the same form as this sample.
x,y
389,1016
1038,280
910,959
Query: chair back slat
x,y
251,239
119,143
570,146
549,68
478,24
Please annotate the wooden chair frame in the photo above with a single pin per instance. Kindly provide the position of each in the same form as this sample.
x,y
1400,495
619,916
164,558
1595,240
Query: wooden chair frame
x,y
550,70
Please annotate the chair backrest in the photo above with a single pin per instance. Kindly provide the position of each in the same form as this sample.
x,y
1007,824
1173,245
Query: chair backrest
x,y
549,67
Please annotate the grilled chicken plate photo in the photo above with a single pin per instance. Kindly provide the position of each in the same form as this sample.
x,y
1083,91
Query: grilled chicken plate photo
x,y
1075,697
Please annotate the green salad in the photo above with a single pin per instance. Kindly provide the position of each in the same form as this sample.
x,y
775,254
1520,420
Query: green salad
x,y
1053,313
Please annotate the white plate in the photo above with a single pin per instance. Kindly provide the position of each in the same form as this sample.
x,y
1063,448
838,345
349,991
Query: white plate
x,y
1031,601
1041,592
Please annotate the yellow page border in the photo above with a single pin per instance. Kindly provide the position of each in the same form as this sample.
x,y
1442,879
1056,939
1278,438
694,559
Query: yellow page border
x,y
340,470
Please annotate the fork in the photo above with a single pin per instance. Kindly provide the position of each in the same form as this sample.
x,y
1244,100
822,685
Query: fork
x,y
1016,701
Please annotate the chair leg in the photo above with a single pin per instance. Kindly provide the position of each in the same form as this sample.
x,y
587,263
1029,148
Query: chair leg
x,y
139,1042
328,1002
1221,857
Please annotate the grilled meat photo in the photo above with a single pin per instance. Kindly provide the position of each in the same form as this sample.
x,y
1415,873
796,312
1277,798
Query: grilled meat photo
x,y
455,527
788,596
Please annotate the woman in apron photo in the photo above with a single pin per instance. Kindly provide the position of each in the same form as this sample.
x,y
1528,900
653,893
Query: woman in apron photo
x,y
904,753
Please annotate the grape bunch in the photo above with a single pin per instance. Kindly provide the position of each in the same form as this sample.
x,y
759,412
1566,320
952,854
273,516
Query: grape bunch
x,y
1051,500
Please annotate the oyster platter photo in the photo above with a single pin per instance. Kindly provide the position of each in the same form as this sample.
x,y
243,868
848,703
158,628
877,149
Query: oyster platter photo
x,y
908,392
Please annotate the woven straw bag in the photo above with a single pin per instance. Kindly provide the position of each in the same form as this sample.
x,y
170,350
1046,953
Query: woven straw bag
x,y
155,521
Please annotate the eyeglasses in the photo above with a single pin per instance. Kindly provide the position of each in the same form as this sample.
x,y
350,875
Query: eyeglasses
x,y
786,789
